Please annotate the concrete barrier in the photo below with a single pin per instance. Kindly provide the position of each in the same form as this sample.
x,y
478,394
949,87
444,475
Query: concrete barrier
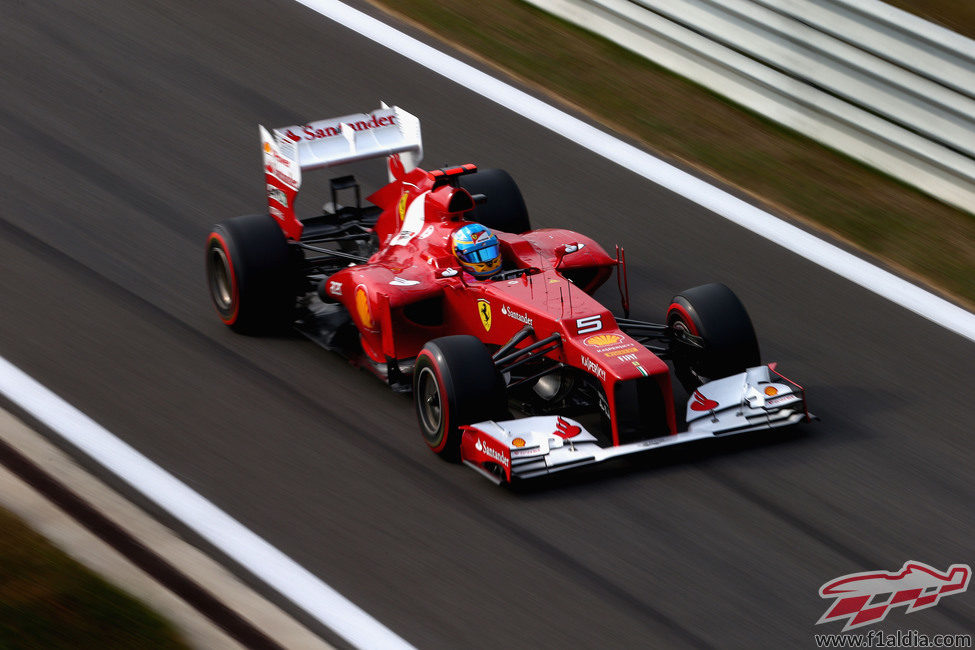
x,y
860,76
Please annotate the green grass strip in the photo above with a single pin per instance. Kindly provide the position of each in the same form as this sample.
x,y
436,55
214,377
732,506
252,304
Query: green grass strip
x,y
47,600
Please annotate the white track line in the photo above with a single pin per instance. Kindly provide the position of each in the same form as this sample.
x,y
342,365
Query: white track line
x,y
865,274
269,564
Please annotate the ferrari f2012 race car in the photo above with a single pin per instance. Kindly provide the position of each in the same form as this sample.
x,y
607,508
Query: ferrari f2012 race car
x,y
519,374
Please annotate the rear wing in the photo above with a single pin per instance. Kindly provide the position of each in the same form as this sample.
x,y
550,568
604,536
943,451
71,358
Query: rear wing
x,y
290,150
359,136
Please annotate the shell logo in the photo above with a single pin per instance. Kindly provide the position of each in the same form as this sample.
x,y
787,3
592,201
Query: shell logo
x,y
362,306
602,340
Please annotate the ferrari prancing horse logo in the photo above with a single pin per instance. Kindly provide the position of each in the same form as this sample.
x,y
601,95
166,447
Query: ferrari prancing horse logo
x,y
484,310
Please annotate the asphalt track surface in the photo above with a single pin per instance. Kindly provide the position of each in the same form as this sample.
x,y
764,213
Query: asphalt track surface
x,y
130,128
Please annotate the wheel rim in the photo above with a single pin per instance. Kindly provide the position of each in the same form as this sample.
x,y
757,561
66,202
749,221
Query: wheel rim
x,y
221,282
430,405
678,323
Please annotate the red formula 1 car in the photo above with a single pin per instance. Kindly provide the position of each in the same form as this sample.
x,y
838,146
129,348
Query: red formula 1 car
x,y
519,375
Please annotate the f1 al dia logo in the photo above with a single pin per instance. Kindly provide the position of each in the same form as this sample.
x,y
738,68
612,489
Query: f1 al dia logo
x,y
865,598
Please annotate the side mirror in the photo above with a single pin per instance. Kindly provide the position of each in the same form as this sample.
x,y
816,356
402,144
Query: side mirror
x,y
566,249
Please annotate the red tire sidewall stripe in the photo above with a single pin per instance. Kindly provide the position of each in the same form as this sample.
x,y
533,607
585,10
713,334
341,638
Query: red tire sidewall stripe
x,y
684,317
229,320
444,403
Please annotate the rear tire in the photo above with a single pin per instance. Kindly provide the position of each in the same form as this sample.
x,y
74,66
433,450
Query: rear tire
x,y
455,382
251,274
504,208
713,312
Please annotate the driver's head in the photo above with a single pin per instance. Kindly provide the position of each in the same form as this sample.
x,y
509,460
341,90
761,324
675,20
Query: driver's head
x,y
477,250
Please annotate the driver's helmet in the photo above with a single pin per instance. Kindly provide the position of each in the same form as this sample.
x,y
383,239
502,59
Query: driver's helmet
x,y
477,250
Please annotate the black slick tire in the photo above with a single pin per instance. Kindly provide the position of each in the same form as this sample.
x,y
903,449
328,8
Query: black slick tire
x,y
455,382
714,313
250,274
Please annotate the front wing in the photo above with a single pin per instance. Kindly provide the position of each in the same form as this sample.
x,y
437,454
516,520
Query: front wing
x,y
756,399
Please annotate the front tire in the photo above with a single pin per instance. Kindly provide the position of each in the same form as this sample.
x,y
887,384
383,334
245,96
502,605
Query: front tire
x,y
251,274
714,313
455,382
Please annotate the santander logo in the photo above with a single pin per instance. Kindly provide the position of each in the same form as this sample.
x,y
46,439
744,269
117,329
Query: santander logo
x,y
701,403
489,451
565,430
316,131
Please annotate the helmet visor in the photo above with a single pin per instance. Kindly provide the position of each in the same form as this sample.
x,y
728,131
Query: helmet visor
x,y
480,255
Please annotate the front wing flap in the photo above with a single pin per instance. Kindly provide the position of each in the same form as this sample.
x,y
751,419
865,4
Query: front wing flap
x,y
756,399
